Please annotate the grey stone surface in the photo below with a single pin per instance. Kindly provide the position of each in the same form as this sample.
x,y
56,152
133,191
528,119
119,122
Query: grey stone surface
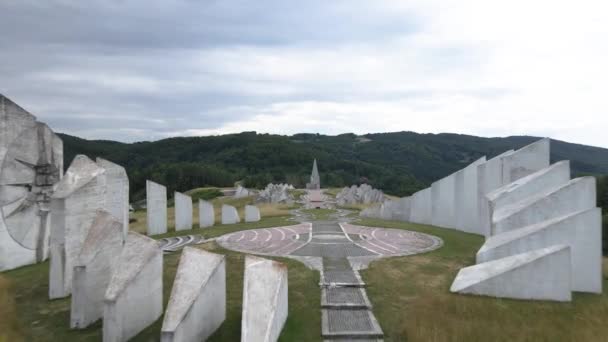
x,y
93,268
576,195
134,297
264,299
276,193
252,213
74,205
539,275
466,199
197,306
315,179
31,163
117,195
526,160
582,231
421,211
241,192
443,195
489,178
183,211
230,215
206,214
156,208
363,194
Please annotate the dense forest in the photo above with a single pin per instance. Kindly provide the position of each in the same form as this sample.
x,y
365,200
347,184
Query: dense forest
x,y
399,163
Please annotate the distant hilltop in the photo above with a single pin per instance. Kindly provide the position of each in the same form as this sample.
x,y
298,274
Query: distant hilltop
x,y
399,163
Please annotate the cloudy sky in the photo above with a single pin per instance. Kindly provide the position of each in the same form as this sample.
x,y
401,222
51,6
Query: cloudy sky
x,y
144,69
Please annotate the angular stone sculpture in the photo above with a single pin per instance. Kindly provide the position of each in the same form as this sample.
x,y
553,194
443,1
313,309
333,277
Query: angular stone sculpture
x,y
183,211
526,160
576,195
252,213
206,214
402,209
31,163
74,205
230,215
93,269
582,231
241,192
276,193
539,274
197,306
264,299
489,178
315,179
134,297
156,208
117,195
443,196
466,197
421,211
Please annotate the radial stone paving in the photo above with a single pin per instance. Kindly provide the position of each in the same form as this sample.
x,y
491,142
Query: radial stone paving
x,y
346,310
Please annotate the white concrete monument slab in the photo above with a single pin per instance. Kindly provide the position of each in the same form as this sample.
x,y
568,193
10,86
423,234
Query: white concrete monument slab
x,y
31,163
264,300
443,206
117,195
74,205
230,215
206,214
582,231
466,197
576,195
539,274
526,160
252,213
93,269
421,211
183,211
156,208
134,297
197,306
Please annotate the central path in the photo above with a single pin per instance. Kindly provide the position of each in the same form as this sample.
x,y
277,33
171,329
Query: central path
x,y
346,310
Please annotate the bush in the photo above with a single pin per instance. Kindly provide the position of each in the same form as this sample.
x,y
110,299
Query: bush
x,y
206,194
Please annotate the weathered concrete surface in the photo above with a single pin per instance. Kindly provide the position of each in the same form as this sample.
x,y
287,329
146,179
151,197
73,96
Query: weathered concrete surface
x,y
183,211
117,195
134,297
541,181
443,204
206,214
241,192
576,195
197,306
252,213
74,205
156,208
466,197
402,210
264,300
421,211
582,231
31,163
526,160
315,179
539,274
93,268
489,178
230,215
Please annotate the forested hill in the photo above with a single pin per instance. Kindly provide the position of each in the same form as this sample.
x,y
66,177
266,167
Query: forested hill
x,y
399,163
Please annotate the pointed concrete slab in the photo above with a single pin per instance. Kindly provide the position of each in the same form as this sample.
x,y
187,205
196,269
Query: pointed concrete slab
x,y
206,214
230,215
183,212
576,195
134,298
93,269
489,178
526,160
117,196
539,274
466,197
82,170
197,306
582,231
264,300
156,208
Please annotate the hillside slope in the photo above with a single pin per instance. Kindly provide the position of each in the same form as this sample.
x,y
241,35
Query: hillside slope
x,y
400,163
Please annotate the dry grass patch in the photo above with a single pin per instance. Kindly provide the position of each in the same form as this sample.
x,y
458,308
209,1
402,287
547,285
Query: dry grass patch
x,y
9,327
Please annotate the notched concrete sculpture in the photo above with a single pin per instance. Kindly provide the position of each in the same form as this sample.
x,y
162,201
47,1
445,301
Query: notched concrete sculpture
x,y
264,300
156,208
252,213
206,214
230,215
31,164
197,306
538,274
134,297
74,205
183,212
117,194
93,269
443,204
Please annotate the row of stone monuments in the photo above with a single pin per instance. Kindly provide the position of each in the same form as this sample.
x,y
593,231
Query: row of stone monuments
x,y
543,230
156,204
363,194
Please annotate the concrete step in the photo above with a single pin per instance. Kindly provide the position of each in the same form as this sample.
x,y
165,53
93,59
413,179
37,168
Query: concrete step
x,y
344,298
350,324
